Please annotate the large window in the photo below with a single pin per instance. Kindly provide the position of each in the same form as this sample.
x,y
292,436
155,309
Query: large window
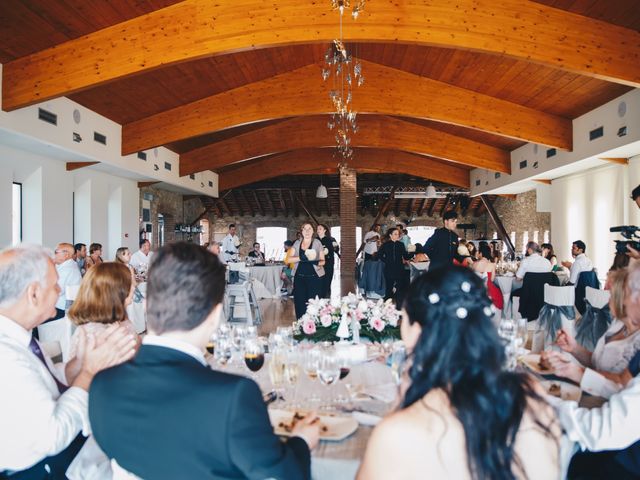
x,y
271,240
16,214
335,233
420,234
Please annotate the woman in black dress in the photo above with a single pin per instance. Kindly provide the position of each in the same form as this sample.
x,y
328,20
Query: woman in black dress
x,y
329,258
393,254
307,258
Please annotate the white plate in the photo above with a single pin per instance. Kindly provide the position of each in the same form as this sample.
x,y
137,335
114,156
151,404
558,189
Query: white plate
x,y
532,362
337,428
568,391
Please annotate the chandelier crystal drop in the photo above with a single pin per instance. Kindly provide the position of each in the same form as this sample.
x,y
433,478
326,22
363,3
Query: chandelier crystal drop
x,y
346,72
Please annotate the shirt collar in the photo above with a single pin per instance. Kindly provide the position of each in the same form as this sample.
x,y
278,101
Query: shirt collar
x,y
581,255
67,263
175,344
15,331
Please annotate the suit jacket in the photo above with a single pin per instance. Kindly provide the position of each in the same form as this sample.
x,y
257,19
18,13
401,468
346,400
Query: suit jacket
x,y
164,415
532,293
442,248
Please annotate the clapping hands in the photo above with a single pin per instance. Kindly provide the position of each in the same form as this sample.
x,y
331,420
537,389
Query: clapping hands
x,y
562,366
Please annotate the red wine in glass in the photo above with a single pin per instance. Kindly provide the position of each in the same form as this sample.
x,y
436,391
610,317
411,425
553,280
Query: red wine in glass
x,y
210,347
254,361
344,371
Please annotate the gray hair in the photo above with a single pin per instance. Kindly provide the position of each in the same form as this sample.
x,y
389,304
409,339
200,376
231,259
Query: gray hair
x,y
633,279
534,246
30,263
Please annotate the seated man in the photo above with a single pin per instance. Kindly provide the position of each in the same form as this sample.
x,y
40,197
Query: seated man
x,y
581,263
41,418
533,262
166,414
256,253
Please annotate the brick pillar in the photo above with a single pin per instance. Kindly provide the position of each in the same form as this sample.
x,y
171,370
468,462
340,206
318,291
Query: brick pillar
x,y
347,229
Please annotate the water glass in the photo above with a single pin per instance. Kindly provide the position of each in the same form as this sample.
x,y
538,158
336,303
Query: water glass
x,y
397,360
329,373
508,329
277,362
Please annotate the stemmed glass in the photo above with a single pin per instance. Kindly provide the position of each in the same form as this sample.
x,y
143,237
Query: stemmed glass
x,y
329,372
277,363
223,351
253,355
508,331
291,373
311,365
396,361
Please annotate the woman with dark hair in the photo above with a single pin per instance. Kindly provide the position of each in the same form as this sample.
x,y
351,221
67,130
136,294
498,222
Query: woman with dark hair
x,y
307,258
328,244
393,253
463,416
547,252
484,266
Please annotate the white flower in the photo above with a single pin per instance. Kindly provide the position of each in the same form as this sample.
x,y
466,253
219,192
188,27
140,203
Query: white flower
x,y
336,302
363,306
325,250
312,310
311,254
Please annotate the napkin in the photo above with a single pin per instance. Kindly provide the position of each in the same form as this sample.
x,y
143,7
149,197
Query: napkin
x,y
387,392
367,419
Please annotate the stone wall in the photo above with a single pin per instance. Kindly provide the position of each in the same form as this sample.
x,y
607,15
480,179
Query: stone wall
x,y
521,217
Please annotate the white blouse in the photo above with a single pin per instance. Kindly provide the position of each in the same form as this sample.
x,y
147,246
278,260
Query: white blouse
x,y
615,356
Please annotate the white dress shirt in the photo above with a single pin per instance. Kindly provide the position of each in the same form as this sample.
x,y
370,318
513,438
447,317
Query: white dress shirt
x,y
68,276
581,264
175,344
229,249
534,263
371,247
35,420
140,259
613,426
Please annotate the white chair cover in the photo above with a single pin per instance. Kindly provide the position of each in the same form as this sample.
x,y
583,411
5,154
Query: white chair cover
x,y
597,298
559,297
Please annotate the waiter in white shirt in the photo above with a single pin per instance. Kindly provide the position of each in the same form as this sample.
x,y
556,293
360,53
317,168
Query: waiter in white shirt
x,y
230,245
141,259
41,418
580,264
371,239
68,275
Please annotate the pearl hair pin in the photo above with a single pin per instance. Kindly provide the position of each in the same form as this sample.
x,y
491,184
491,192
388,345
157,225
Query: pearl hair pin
x,y
461,312
465,287
434,298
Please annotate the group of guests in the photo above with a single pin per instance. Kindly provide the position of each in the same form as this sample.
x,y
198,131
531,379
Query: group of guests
x,y
158,411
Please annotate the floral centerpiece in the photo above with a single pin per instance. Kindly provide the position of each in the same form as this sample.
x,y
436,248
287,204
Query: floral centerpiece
x,y
327,320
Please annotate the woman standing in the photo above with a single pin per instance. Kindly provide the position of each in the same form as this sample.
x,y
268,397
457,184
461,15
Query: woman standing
x,y
329,258
393,254
462,416
307,258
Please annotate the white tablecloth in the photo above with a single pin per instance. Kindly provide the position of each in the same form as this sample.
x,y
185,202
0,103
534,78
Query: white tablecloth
x,y
333,460
508,284
267,281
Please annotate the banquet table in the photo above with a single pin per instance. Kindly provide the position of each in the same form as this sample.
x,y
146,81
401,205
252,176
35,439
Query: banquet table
x,y
267,281
334,460
509,283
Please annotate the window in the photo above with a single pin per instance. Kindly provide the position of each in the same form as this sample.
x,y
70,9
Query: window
x,y
271,240
160,229
546,236
535,236
204,235
335,233
420,234
525,240
16,214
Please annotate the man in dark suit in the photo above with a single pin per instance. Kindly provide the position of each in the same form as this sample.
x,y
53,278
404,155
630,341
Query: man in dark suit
x,y
442,246
165,414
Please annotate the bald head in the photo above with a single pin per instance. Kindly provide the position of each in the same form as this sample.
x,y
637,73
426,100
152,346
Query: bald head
x,y
28,285
63,252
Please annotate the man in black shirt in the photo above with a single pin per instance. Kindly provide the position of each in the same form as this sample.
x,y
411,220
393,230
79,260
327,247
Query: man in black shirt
x,y
442,246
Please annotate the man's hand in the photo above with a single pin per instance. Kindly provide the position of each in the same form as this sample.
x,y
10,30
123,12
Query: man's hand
x,y
308,429
564,367
565,341
566,264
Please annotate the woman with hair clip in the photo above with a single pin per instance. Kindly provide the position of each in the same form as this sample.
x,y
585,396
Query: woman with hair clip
x,y
462,415
329,258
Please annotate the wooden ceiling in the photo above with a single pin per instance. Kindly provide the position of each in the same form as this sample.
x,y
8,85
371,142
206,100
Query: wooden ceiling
x,y
293,196
236,87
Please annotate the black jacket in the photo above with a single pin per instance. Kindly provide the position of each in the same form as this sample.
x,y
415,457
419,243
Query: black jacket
x,y
392,253
442,248
327,242
164,415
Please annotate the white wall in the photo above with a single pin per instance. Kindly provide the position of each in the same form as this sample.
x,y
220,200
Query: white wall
x,y
584,206
106,207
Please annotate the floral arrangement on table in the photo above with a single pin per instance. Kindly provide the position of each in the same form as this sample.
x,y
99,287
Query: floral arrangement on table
x,y
335,319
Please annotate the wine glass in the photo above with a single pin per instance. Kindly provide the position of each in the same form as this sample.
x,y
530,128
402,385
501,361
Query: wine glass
x,y
224,351
329,372
211,345
286,334
396,361
311,365
253,355
292,373
277,362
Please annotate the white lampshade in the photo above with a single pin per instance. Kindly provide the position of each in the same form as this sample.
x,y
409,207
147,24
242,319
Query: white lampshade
x,y
321,192
431,191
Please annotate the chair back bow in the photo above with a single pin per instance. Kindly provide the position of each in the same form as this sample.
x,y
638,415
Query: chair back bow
x,y
550,319
593,324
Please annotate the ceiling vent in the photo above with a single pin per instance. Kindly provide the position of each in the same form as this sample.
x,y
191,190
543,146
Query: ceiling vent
x,y
47,116
99,138
498,175
193,177
167,166
142,156
596,133
210,183
523,164
551,152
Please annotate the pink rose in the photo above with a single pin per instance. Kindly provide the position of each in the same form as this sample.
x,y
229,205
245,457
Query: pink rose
x,y
325,320
309,327
377,324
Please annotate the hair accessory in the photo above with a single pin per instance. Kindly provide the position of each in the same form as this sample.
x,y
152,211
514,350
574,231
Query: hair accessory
x,y
434,298
487,311
461,312
493,308
465,287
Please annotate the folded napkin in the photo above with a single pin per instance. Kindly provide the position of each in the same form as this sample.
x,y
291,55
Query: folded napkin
x,y
386,392
367,419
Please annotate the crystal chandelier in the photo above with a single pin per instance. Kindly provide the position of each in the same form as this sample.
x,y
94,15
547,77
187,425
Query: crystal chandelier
x,y
345,72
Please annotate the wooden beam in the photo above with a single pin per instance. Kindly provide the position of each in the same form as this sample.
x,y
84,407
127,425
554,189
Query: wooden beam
x,y
385,93
258,203
510,196
375,132
371,160
445,205
432,207
193,29
543,181
502,232
71,166
382,210
146,184
422,205
411,206
244,197
305,208
285,212
619,161
294,203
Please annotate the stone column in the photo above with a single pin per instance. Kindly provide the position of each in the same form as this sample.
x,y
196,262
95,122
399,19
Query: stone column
x,y
347,229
